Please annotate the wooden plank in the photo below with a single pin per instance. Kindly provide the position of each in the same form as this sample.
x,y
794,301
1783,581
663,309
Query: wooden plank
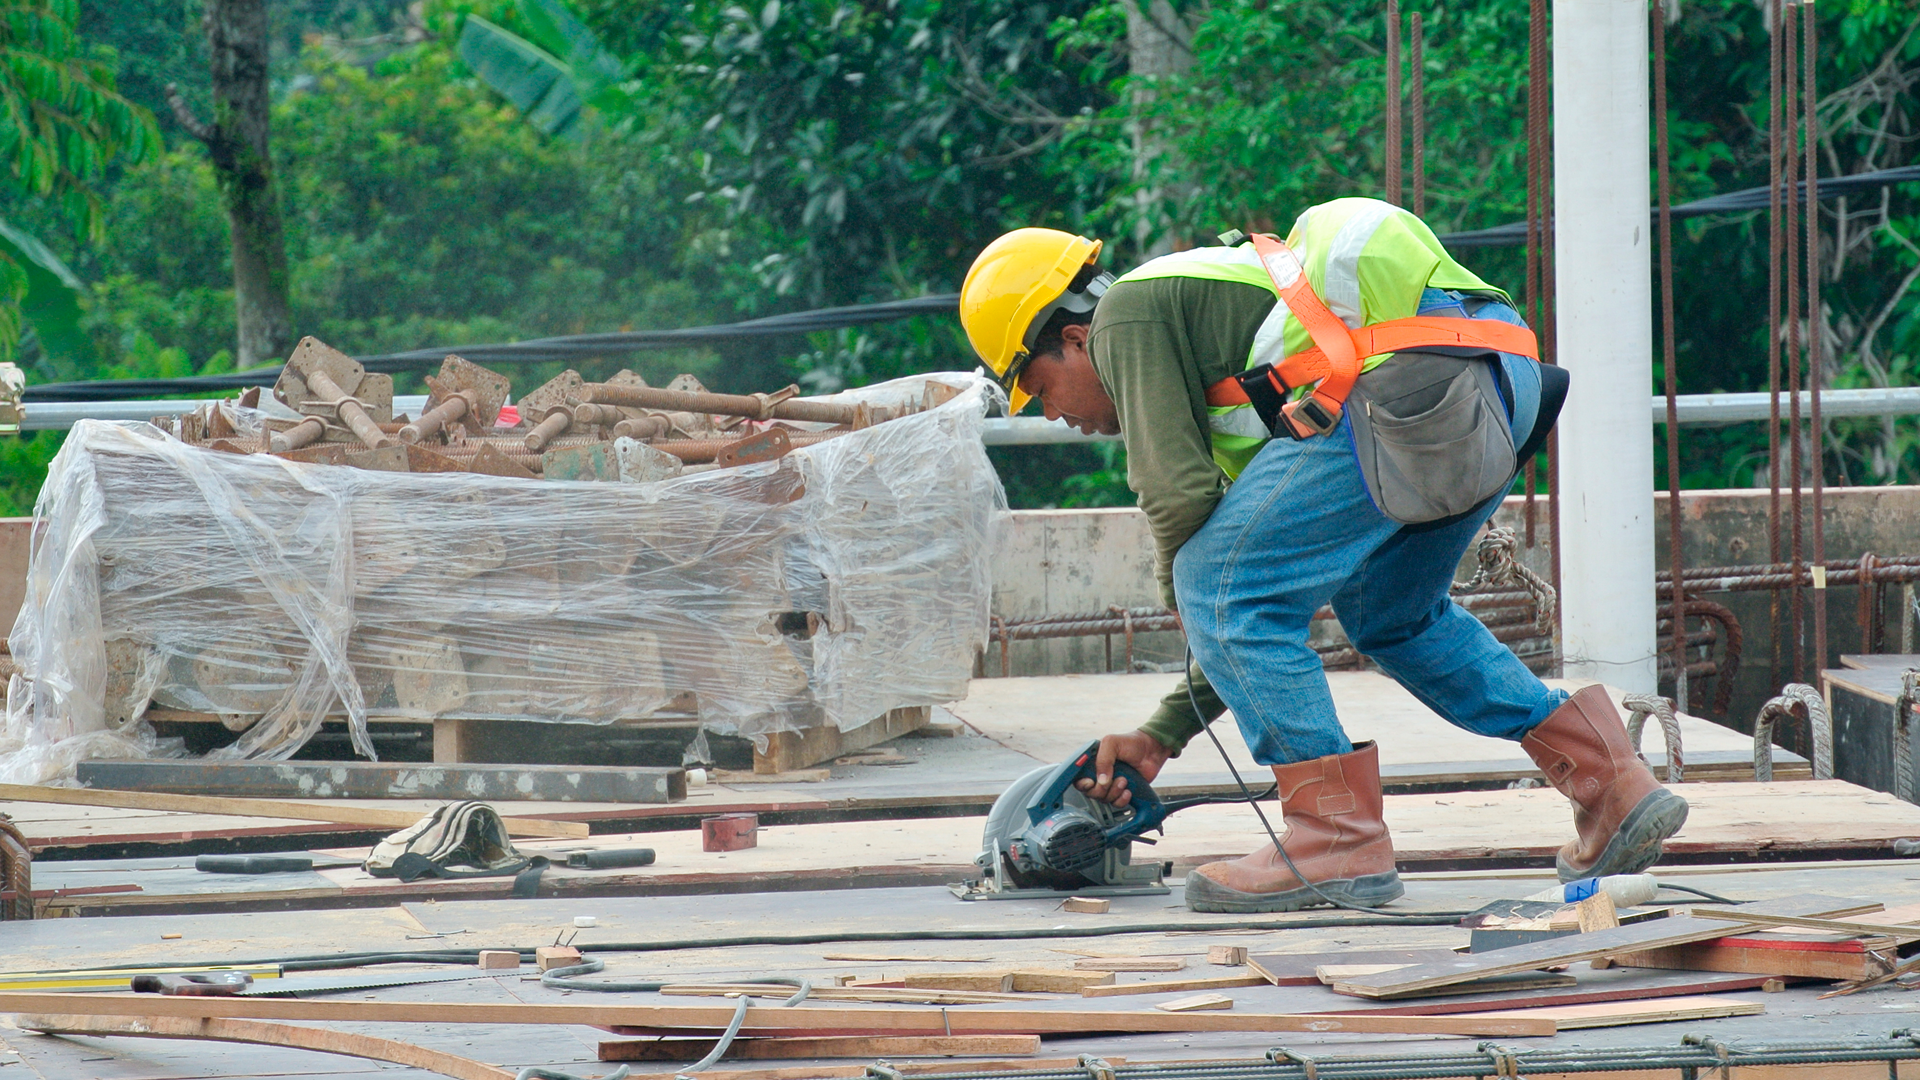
x,y
1196,1003
1334,974
1755,956
1173,986
1620,1013
1655,933
220,1029
790,750
1298,969
1060,982
269,808
868,993
1130,963
1633,989
452,740
832,1046
990,981
381,780
1835,926
1779,952
763,1019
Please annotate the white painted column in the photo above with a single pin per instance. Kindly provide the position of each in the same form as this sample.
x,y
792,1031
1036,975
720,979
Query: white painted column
x,y
1604,300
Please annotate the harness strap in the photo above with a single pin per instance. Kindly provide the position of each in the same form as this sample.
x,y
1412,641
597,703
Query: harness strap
x,y
1317,413
1333,363
1398,335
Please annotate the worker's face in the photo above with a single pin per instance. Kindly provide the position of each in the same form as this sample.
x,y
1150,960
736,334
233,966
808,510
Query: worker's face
x,y
1068,387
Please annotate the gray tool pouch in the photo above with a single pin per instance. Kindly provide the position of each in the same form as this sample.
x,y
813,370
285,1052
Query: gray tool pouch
x,y
1431,434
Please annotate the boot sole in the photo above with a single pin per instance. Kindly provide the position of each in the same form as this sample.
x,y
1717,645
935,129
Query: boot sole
x,y
1637,845
1367,890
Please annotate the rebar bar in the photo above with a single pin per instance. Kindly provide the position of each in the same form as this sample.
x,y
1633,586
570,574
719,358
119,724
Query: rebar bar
x,y
753,406
1664,169
1392,163
1816,322
1692,1056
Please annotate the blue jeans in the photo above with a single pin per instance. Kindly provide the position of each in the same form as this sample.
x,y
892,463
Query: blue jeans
x,y
1298,530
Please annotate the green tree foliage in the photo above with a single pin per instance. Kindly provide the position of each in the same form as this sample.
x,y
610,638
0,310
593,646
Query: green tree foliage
x,y
719,159
64,125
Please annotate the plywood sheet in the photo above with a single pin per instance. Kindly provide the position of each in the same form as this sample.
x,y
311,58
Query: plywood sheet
x,y
1459,828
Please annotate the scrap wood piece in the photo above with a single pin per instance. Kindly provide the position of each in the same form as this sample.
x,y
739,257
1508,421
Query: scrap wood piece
x,y
829,1046
267,808
1170,986
1196,1003
1571,949
1500,1001
1130,963
1857,985
1834,926
1297,969
904,995
1854,959
1621,1013
764,1019
1014,981
1333,974
218,1029
989,981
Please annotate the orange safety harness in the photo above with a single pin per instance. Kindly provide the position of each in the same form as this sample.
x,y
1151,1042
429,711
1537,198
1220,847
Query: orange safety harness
x,y
1337,354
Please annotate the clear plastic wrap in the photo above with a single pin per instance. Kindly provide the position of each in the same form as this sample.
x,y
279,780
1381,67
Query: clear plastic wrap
x,y
848,578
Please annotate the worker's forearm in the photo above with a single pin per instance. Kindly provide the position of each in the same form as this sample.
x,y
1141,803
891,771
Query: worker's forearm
x,y
1174,723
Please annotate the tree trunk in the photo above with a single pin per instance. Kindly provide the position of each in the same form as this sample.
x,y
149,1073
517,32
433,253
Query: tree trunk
x,y
237,141
1159,43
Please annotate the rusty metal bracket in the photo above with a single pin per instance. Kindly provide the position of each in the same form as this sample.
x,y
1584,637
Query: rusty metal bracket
x,y
464,393
323,382
769,445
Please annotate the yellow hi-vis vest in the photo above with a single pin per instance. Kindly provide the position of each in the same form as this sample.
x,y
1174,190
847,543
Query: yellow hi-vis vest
x,y
1368,261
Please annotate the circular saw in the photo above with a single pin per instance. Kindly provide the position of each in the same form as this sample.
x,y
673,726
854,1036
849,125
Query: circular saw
x,y
1045,837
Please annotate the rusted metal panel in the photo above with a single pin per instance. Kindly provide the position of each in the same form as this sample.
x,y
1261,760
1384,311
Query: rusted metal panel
x,y
369,780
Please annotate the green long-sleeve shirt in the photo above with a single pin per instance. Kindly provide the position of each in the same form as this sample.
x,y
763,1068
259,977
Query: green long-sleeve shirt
x,y
1157,344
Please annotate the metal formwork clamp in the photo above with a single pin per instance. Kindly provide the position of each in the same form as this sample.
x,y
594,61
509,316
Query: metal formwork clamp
x,y
884,1070
1505,1059
1097,1068
1309,1069
1717,1048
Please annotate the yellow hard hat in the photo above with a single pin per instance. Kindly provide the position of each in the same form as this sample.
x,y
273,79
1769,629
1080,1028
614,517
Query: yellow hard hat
x,y
1013,288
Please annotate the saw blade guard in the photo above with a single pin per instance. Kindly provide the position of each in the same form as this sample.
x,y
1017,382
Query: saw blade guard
x,y
1043,832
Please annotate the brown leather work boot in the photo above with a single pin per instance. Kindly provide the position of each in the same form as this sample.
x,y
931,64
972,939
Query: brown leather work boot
x,y
1334,834
1620,811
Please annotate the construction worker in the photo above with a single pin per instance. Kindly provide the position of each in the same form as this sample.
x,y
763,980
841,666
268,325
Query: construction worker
x,y
1275,479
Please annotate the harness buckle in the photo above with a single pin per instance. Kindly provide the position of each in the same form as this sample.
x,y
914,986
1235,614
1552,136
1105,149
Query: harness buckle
x,y
1308,417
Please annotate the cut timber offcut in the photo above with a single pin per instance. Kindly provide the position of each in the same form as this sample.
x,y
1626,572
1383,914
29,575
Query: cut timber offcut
x,y
1227,955
1196,1003
215,1029
1130,963
1171,986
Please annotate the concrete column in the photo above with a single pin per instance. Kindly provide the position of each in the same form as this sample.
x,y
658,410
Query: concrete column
x,y
1604,298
